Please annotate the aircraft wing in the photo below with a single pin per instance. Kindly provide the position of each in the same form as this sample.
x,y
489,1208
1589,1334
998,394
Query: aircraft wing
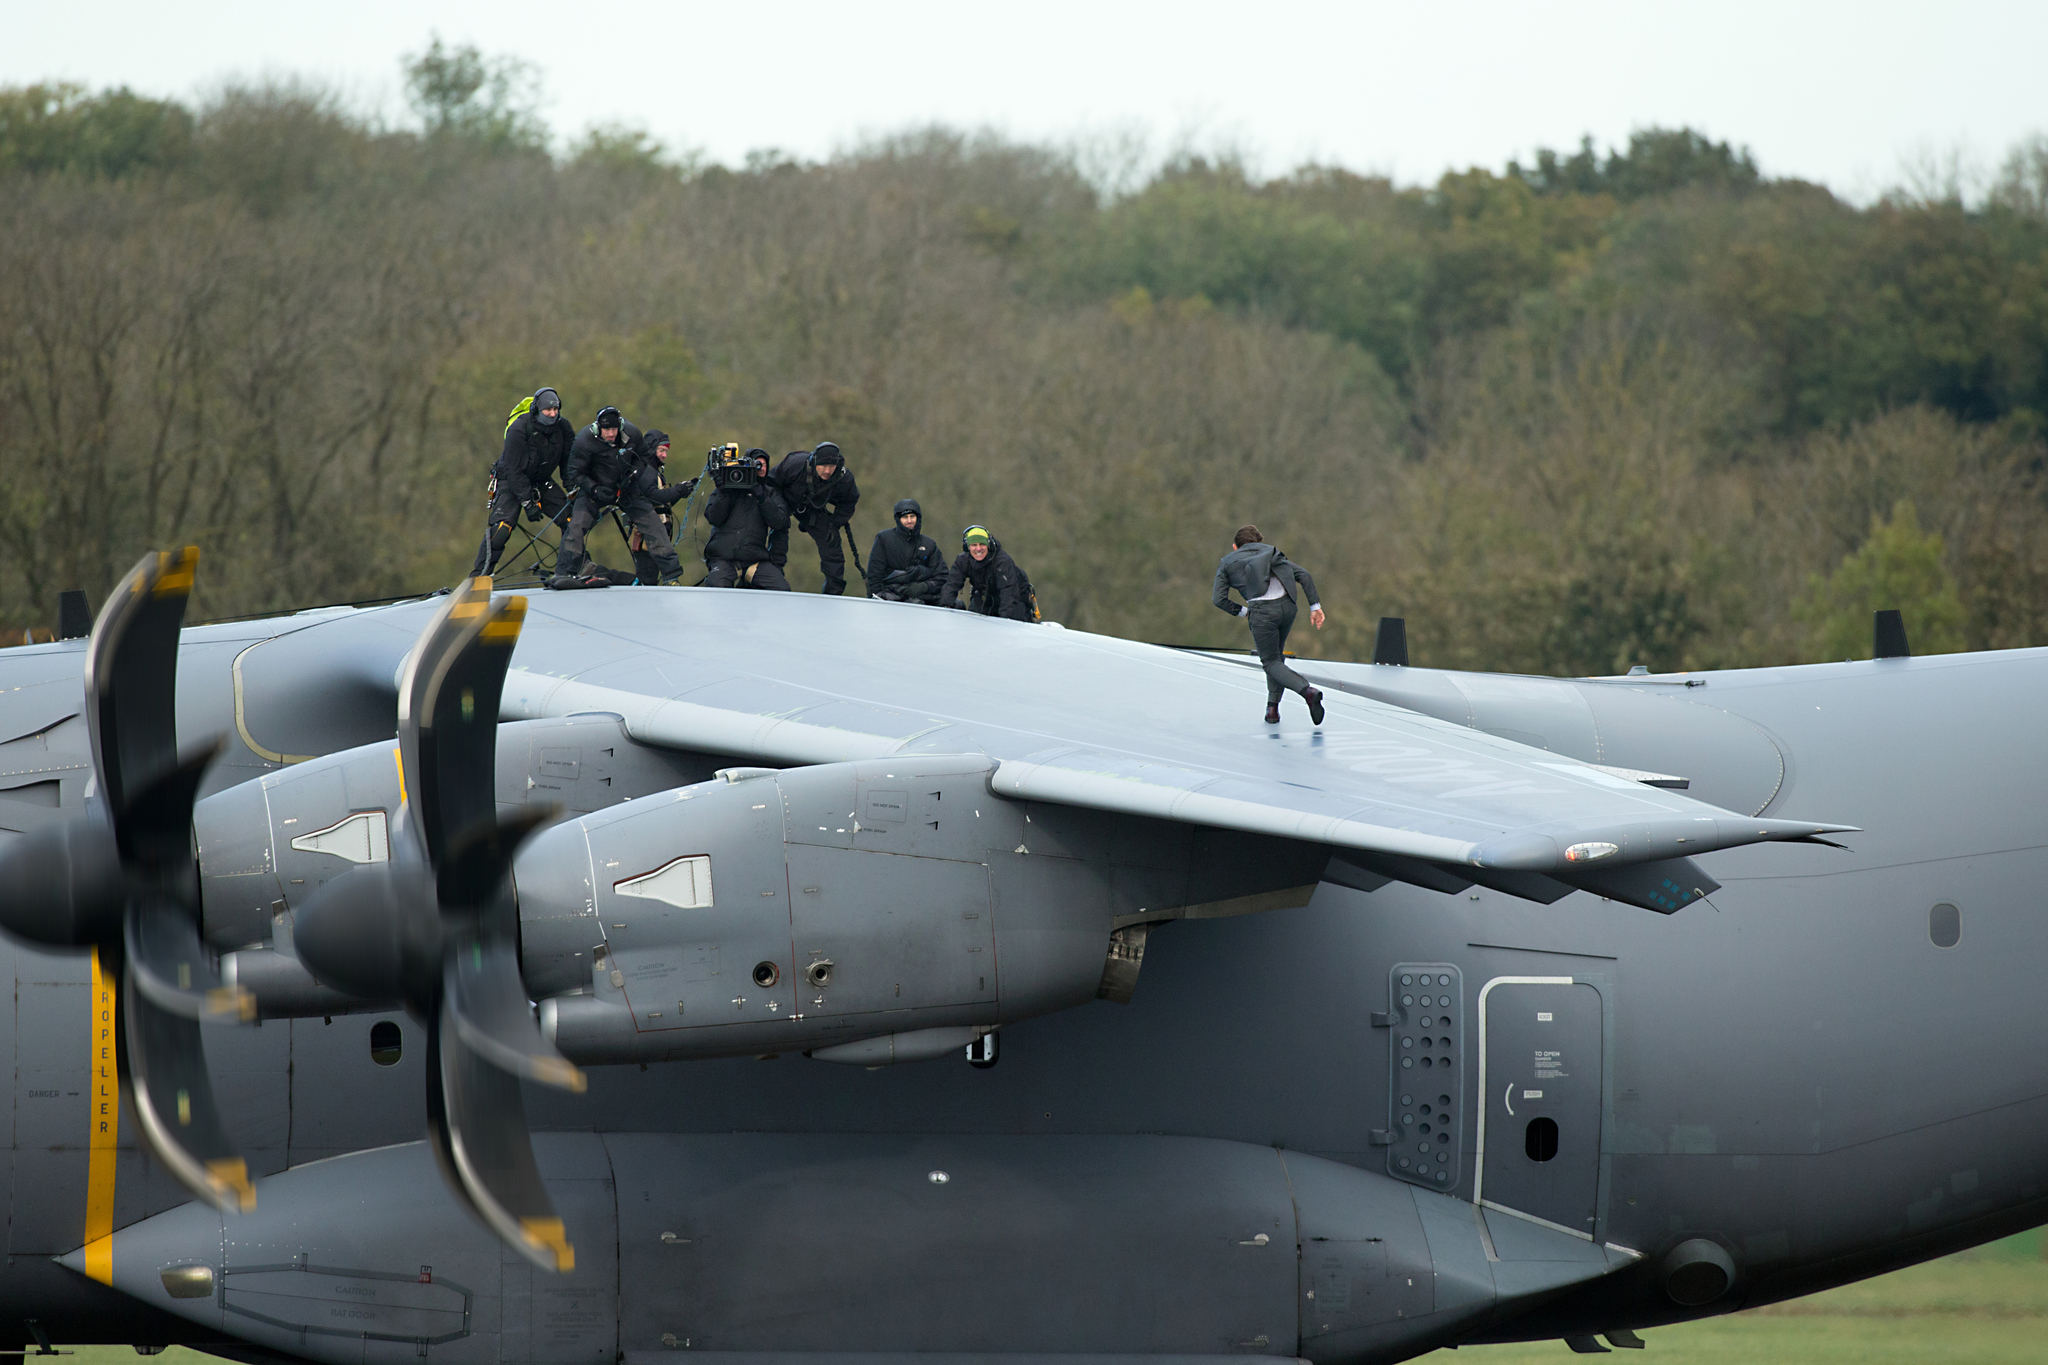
x,y
1173,736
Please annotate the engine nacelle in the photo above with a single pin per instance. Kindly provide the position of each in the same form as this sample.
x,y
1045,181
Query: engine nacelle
x,y
805,909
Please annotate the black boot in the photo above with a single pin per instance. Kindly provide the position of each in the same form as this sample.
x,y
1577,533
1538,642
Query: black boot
x,y
1315,705
1272,713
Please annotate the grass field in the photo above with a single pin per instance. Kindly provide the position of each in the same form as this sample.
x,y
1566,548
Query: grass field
x,y
1988,1306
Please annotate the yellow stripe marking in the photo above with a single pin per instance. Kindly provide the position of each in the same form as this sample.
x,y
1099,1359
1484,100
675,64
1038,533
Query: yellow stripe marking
x,y
398,757
106,1130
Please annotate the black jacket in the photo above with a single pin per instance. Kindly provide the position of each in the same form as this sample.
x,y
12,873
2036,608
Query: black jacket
x,y
647,484
819,507
999,586
601,469
1249,568
747,525
913,552
532,454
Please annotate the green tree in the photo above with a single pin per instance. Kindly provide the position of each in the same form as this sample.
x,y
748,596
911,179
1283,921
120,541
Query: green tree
x,y
59,127
1898,568
459,92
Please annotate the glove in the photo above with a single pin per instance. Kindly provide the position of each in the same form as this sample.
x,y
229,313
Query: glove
x,y
897,576
605,494
533,511
688,486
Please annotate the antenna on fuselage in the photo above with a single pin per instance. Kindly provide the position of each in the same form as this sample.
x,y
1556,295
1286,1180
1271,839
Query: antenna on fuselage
x,y
1888,636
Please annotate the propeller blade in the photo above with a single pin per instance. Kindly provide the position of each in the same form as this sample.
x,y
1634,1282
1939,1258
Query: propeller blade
x,y
477,1118
131,689
477,861
448,718
170,966
486,1005
166,1065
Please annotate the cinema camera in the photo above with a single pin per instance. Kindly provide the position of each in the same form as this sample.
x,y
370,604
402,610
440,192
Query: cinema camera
x,y
730,470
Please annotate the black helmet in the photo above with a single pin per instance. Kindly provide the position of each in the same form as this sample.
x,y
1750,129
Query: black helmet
x,y
609,417
827,453
547,398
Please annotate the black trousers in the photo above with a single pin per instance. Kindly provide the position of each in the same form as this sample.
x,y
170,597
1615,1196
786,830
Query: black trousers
x,y
505,504
640,515
1270,622
729,573
831,558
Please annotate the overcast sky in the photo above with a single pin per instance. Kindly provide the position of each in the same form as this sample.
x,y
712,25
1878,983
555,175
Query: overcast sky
x,y
1846,94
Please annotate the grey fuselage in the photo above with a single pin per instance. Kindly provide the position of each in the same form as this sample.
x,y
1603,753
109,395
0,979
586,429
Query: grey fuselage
x,y
1794,1070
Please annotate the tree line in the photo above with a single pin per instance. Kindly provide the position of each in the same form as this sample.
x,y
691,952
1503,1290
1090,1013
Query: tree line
x,y
1645,405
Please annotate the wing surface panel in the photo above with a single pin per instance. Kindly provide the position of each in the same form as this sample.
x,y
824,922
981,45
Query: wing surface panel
x,y
1090,721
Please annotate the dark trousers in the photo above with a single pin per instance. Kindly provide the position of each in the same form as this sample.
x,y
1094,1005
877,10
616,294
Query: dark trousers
x,y
505,506
1270,622
640,515
728,573
831,558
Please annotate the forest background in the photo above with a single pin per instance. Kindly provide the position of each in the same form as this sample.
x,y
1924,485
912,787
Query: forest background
x,y
1648,406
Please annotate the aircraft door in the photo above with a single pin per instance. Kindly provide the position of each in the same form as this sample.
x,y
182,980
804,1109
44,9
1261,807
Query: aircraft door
x,y
1540,1093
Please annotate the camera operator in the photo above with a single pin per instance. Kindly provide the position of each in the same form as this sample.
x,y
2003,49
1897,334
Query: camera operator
x,y
999,587
905,564
647,475
536,446
603,469
821,494
748,510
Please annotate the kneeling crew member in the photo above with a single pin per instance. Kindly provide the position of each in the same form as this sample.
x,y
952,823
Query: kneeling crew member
x,y
821,494
603,464
1265,579
536,448
999,587
654,447
748,515
905,564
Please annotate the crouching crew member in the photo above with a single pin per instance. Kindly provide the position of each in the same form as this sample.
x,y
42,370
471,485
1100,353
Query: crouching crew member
x,y
999,587
647,476
822,495
603,469
536,447
1265,579
750,513
905,564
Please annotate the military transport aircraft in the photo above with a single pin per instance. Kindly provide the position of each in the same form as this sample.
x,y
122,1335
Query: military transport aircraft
x,y
795,978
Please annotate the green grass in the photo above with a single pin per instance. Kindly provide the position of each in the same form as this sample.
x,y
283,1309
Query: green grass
x,y
1987,1306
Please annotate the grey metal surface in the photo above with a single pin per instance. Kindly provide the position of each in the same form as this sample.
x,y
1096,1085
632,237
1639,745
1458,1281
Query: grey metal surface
x,y
1752,1044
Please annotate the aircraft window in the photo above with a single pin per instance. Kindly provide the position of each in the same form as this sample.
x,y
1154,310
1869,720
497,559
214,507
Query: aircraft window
x,y
1540,1140
387,1045
1945,925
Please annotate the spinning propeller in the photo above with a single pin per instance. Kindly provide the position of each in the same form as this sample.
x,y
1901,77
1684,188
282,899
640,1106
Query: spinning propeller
x,y
437,926
120,879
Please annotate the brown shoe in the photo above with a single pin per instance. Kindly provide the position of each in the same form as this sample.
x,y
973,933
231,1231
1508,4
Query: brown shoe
x,y
1315,705
1273,713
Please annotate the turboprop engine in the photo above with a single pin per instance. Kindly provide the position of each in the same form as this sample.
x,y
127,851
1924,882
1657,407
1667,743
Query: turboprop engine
x,y
849,910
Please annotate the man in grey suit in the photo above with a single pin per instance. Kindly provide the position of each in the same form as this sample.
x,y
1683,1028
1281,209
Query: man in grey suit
x,y
1265,579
